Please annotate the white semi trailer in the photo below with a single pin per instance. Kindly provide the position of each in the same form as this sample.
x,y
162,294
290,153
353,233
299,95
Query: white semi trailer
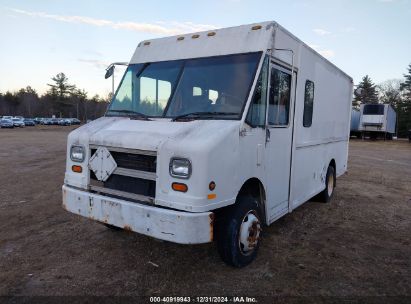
x,y
377,120
212,136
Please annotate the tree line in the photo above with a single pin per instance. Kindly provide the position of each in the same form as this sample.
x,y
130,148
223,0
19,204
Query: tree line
x,y
395,92
63,99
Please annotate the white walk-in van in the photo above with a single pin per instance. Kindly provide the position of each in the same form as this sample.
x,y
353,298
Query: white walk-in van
x,y
213,136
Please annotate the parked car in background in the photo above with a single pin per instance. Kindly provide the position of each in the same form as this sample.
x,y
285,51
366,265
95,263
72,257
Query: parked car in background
x,y
38,120
65,122
6,123
17,122
29,122
54,121
46,121
75,121
7,117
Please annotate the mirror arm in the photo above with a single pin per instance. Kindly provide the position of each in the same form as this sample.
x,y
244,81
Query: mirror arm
x,y
110,72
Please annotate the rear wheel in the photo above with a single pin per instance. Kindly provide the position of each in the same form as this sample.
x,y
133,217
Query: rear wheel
x,y
328,192
239,231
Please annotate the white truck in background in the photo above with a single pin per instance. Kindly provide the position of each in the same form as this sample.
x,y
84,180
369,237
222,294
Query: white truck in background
x,y
212,136
377,120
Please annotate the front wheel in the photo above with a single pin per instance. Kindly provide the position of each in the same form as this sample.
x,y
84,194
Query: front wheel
x,y
239,232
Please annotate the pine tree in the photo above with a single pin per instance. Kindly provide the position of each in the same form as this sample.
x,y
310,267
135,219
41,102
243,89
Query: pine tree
x,y
404,108
406,85
368,91
61,88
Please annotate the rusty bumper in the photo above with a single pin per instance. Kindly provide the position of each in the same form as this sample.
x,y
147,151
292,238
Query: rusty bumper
x,y
165,224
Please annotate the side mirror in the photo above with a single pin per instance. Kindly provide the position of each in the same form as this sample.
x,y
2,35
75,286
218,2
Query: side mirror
x,y
109,72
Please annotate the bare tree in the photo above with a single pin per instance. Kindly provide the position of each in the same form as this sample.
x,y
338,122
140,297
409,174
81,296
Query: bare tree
x,y
389,92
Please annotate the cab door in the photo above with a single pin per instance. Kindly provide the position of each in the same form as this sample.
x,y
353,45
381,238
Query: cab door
x,y
278,140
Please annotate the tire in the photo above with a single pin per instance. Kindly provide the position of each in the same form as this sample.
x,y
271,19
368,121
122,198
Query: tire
x,y
239,231
330,180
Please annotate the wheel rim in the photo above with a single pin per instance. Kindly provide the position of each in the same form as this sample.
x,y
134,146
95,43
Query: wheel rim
x,y
250,231
330,184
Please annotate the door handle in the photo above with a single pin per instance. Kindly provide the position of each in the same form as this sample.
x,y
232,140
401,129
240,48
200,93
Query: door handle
x,y
267,135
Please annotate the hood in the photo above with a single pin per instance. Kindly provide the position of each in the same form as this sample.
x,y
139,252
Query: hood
x,y
146,135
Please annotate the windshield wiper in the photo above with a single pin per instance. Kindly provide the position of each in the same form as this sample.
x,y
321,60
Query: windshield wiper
x,y
132,114
203,115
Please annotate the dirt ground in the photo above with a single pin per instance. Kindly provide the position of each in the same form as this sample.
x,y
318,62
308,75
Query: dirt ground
x,y
358,245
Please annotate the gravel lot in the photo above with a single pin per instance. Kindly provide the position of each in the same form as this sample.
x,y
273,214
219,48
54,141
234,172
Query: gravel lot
x,y
358,245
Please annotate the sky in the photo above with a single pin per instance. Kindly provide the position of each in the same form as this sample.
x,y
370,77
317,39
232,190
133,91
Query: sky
x,y
39,39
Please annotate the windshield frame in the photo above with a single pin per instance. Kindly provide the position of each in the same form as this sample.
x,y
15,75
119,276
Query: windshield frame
x,y
144,65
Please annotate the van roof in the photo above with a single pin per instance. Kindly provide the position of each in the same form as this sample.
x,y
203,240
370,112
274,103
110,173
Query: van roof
x,y
255,37
231,40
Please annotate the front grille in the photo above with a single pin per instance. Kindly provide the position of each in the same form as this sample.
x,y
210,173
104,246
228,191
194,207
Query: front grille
x,y
133,161
134,177
128,184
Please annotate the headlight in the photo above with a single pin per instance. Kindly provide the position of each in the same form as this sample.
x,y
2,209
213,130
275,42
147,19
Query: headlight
x,y
180,167
77,153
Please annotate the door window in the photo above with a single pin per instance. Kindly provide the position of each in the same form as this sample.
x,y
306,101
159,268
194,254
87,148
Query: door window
x,y
256,112
279,101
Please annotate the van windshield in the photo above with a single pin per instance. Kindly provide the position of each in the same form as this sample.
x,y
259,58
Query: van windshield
x,y
215,87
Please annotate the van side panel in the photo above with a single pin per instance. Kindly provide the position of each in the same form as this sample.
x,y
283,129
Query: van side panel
x,y
327,138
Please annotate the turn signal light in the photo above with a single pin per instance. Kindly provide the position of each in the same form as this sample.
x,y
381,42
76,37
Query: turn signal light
x,y
77,169
179,187
211,196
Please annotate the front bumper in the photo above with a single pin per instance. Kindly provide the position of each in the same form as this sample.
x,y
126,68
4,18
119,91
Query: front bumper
x,y
165,224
